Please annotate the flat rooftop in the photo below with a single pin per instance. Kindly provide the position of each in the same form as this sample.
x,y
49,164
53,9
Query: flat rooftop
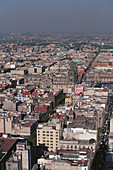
x,y
6,143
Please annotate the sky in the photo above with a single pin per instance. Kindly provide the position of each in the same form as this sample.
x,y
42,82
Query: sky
x,y
64,16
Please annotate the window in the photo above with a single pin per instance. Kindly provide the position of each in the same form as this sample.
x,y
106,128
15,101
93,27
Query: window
x,y
35,70
9,167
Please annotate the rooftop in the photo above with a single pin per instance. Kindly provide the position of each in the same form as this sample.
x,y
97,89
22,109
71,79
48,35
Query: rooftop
x,y
5,145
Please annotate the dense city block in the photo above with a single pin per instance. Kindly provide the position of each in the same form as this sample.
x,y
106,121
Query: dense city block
x,y
56,100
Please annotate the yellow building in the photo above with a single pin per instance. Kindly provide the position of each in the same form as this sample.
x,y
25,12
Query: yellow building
x,y
49,135
68,100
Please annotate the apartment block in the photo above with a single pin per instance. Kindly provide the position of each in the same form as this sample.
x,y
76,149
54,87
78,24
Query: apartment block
x,y
49,136
6,125
14,162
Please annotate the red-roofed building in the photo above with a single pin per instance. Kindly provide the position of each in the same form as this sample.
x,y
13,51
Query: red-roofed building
x,y
6,147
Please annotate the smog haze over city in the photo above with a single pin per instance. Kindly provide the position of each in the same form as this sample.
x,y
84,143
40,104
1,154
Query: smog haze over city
x,y
66,16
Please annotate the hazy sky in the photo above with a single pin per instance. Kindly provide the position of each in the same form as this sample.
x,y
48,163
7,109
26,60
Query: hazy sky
x,y
94,16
